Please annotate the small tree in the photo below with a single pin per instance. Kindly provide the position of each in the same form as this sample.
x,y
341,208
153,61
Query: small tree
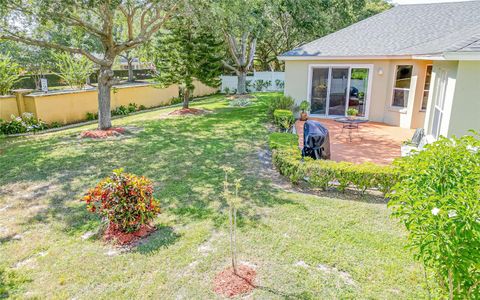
x,y
185,53
233,202
437,198
9,74
74,70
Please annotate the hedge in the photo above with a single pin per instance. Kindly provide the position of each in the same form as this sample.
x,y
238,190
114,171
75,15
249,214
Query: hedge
x,y
324,174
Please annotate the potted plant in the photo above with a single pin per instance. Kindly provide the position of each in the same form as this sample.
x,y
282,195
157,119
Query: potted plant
x,y
304,107
352,113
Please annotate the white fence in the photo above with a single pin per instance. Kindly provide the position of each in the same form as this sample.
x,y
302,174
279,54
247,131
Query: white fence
x,y
259,82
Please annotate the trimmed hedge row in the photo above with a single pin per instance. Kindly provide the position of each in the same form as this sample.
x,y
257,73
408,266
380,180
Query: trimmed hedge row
x,y
324,174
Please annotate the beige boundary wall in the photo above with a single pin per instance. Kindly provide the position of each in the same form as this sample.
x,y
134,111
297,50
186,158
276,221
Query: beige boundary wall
x,y
72,106
380,108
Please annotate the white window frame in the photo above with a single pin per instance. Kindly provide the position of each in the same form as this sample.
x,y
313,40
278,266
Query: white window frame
x,y
400,89
424,90
370,68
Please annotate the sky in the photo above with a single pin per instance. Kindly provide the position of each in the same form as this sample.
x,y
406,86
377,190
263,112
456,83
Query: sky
x,y
422,1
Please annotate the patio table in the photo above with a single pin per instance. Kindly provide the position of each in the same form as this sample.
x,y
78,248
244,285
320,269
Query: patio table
x,y
350,124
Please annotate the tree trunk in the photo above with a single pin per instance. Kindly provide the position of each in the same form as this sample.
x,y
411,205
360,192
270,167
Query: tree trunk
x,y
186,97
242,83
105,80
130,70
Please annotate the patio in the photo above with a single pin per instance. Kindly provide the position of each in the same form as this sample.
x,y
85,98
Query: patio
x,y
374,142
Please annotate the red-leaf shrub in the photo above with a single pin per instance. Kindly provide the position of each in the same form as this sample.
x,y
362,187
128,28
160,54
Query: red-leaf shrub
x,y
126,200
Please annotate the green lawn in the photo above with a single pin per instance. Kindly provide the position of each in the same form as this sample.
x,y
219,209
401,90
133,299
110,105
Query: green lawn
x,y
303,246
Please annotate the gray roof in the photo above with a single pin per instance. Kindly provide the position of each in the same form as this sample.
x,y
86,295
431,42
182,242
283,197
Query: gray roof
x,y
420,29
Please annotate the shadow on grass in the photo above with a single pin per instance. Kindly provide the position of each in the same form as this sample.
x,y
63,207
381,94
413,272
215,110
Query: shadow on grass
x,y
163,237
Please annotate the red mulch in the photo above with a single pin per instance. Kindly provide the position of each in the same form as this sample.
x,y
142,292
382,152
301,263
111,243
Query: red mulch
x,y
121,238
187,111
102,134
229,284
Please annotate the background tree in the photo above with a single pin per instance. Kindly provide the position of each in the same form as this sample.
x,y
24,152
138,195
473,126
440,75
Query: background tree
x,y
93,21
240,22
291,23
187,51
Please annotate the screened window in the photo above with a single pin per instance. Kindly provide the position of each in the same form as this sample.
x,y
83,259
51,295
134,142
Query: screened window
x,y
426,89
401,89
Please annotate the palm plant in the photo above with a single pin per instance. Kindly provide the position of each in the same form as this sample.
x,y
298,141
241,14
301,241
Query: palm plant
x,y
9,74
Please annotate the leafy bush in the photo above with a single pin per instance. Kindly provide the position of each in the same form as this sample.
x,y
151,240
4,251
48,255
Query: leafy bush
x,y
176,100
22,124
437,198
122,110
91,116
261,85
142,107
74,70
226,90
326,173
132,107
280,83
125,200
9,74
283,119
280,102
241,102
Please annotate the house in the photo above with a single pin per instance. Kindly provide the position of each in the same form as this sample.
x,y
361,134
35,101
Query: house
x,y
413,66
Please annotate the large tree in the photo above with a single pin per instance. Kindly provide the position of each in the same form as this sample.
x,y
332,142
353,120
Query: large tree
x,y
291,23
186,51
241,23
95,20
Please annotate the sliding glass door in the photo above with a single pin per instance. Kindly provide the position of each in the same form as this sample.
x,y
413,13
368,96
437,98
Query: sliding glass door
x,y
319,90
336,89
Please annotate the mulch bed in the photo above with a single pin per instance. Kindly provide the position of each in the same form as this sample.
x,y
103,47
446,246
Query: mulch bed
x,y
187,111
102,134
113,234
229,284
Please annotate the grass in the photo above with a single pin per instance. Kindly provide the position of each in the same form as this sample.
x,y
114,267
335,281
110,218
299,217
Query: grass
x,y
304,246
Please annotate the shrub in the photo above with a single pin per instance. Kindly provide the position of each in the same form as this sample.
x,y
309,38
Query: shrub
x,y
280,102
280,83
91,116
125,200
326,173
74,70
9,74
132,107
122,110
142,107
176,100
241,102
283,119
437,198
22,124
226,90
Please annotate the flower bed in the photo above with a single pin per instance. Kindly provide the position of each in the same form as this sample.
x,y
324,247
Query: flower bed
x,y
326,174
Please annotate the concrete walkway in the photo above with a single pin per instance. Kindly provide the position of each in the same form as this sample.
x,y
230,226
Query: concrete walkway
x,y
374,142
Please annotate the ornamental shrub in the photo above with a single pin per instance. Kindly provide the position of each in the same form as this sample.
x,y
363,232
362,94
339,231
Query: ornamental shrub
x,y
283,119
74,70
22,124
280,102
437,197
125,200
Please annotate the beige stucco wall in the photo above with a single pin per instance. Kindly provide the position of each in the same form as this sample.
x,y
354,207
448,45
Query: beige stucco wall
x,y
8,107
465,109
296,85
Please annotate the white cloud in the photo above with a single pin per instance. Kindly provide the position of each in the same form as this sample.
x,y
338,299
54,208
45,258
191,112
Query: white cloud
x,y
423,1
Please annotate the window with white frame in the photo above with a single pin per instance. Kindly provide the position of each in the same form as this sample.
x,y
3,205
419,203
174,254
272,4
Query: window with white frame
x,y
401,87
426,89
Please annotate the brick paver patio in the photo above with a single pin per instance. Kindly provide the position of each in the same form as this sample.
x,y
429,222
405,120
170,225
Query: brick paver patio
x,y
375,142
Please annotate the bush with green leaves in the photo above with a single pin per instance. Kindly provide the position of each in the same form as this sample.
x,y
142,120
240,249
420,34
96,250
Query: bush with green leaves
x,y
283,119
22,124
91,116
437,197
9,74
280,102
280,84
324,174
74,70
